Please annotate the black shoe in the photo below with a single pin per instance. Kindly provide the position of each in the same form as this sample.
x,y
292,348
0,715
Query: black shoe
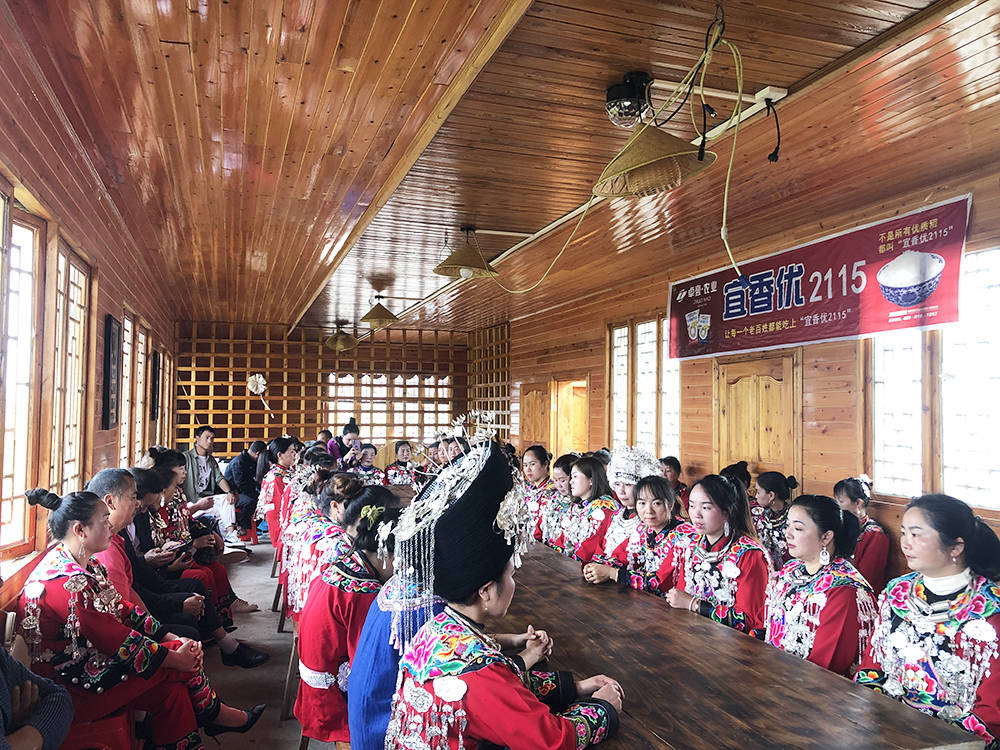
x,y
230,628
245,656
212,730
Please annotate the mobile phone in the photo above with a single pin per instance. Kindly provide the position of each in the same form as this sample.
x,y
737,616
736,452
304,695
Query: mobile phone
x,y
180,550
357,445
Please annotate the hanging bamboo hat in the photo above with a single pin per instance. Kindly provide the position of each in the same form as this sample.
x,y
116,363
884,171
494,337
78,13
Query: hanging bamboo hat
x,y
653,161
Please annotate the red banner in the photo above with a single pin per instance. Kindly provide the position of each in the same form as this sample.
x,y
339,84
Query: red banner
x,y
899,273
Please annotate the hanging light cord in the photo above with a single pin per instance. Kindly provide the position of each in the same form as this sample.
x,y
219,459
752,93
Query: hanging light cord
x,y
713,37
773,156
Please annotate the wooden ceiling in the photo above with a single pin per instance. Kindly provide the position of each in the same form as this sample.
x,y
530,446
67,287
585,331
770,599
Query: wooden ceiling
x,y
247,141
530,136
258,146
902,121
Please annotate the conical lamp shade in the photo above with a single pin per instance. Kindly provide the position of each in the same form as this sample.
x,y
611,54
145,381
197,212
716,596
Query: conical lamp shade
x,y
379,316
342,341
467,263
652,162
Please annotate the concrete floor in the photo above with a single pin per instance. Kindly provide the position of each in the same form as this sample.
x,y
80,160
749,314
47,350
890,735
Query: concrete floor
x,y
247,687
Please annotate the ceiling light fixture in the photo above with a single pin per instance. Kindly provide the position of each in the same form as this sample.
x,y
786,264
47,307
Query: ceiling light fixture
x,y
379,316
341,341
627,103
466,262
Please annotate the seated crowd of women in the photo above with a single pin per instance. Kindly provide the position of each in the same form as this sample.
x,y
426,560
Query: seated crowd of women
x,y
806,575
118,611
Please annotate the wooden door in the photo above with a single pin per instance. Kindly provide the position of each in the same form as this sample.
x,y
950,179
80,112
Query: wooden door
x,y
535,414
759,411
570,418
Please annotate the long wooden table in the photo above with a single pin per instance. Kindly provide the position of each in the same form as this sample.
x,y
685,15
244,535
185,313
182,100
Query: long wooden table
x,y
693,683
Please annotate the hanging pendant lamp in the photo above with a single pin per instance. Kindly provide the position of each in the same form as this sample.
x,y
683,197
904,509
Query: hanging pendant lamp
x,y
379,316
341,341
466,262
653,161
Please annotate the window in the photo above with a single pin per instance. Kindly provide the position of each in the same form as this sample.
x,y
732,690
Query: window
x,y
413,407
69,382
645,387
970,387
20,275
896,408
139,399
935,396
619,386
125,411
164,423
670,396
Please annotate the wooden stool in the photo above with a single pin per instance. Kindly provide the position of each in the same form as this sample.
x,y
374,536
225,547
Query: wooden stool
x,y
304,744
274,564
114,732
291,681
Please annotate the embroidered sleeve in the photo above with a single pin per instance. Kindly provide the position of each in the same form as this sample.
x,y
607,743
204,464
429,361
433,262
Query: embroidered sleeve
x,y
140,655
872,678
725,614
145,623
555,689
594,720
639,581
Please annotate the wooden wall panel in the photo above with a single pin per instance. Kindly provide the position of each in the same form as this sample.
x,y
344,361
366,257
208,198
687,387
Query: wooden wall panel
x,y
54,177
214,361
489,374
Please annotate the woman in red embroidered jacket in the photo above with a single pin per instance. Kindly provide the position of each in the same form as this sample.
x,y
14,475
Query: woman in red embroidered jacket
x,y
628,465
181,527
457,690
402,471
721,572
819,607
538,485
637,560
592,493
83,634
281,452
935,645
670,469
871,556
322,538
556,509
770,514
335,611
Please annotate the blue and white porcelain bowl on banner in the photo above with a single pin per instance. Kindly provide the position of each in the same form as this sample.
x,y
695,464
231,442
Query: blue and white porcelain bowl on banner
x,y
910,278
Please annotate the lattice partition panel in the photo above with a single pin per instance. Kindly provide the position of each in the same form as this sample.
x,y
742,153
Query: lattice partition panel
x,y
398,384
489,374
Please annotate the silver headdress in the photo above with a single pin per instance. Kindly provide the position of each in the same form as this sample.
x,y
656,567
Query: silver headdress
x,y
411,598
629,465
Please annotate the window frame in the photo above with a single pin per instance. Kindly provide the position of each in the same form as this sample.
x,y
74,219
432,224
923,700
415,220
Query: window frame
x,y
73,259
932,475
662,320
39,346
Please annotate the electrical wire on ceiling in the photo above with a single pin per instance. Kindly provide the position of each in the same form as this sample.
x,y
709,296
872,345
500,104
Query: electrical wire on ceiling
x,y
693,81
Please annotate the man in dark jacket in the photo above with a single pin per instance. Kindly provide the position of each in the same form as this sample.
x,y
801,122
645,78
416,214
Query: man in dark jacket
x,y
241,475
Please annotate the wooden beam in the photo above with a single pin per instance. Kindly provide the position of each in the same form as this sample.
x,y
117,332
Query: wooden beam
x,y
488,44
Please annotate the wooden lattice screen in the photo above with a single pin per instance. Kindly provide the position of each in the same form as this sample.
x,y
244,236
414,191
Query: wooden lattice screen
x,y
489,374
398,384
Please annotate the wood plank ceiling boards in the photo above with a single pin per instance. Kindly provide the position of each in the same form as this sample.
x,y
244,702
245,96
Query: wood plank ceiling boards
x,y
286,158
868,117
249,143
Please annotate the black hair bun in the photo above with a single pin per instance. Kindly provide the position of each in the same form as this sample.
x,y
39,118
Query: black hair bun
x,y
741,464
792,482
46,499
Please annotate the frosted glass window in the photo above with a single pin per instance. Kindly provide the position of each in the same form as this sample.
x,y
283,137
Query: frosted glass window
x,y
670,397
897,423
619,386
970,387
645,386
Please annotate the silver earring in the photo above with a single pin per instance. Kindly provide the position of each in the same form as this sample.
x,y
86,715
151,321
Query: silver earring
x,y
824,556
726,528
954,560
